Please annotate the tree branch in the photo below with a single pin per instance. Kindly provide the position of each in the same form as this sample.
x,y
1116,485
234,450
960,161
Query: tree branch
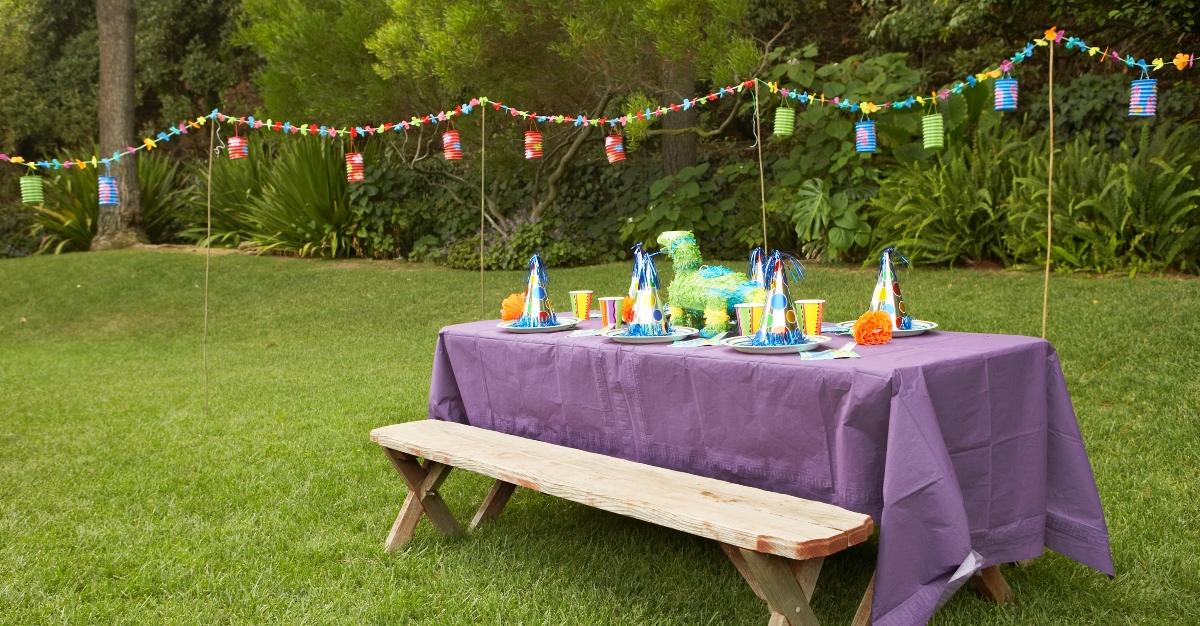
x,y
564,162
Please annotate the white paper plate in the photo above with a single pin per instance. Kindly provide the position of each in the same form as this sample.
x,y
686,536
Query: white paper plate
x,y
742,344
677,333
565,322
918,327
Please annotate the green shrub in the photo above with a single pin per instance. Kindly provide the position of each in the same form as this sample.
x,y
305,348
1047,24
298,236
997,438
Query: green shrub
x,y
66,222
16,222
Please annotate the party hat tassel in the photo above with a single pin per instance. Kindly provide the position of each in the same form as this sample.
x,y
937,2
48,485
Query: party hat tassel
x,y
778,327
538,311
887,297
648,319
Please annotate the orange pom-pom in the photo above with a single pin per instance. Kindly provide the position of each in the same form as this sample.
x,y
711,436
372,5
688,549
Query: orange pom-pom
x,y
627,310
512,307
873,328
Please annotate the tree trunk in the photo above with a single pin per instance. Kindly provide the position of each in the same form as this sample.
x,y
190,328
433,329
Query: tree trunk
x,y
679,149
118,226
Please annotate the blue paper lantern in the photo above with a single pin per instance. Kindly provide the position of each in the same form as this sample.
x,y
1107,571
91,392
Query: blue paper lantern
x,y
864,136
1006,94
108,191
1143,98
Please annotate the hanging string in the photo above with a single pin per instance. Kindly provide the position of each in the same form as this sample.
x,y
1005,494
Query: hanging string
x,y
762,180
212,137
1049,200
215,133
482,179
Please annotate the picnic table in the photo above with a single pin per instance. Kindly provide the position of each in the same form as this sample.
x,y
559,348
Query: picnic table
x,y
963,447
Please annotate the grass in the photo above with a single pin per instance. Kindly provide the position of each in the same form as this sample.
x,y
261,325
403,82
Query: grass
x,y
122,502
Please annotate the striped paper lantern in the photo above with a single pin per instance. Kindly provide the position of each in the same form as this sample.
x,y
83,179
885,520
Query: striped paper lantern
x,y
354,167
933,131
1143,97
614,147
31,190
785,122
452,145
238,148
533,144
108,191
864,136
1006,94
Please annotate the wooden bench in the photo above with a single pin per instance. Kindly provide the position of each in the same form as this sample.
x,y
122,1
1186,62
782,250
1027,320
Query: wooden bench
x,y
777,542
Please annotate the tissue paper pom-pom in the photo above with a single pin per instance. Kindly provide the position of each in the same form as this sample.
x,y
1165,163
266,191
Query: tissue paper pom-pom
x,y
873,328
627,310
512,307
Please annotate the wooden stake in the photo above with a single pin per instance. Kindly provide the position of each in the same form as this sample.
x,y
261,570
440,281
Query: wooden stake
x,y
482,178
212,135
1049,200
762,180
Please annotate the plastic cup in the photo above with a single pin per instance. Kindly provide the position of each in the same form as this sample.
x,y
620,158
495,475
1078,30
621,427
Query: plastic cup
x,y
610,311
810,314
749,317
581,303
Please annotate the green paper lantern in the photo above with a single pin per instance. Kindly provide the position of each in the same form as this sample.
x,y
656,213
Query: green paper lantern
x,y
785,122
933,131
31,190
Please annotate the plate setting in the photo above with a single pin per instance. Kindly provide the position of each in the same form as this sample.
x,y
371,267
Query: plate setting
x,y
677,332
742,343
919,327
565,322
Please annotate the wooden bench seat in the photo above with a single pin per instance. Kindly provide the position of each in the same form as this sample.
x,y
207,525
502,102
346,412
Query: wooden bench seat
x,y
777,542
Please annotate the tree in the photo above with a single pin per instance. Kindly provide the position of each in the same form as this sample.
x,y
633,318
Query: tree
x,y
121,225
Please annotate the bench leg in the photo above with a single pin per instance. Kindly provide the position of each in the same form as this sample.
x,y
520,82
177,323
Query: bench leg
x,y
991,585
423,482
493,503
862,617
779,583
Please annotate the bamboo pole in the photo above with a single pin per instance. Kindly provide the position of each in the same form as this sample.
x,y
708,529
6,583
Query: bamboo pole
x,y
482,180
212,136
762,181
1049,200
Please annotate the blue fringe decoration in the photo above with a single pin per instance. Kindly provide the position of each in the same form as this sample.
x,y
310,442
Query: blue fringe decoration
x,y
790,338
648,330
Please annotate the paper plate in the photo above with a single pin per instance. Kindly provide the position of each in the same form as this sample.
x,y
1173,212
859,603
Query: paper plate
x,y
677,333
918,327
564,323
742,344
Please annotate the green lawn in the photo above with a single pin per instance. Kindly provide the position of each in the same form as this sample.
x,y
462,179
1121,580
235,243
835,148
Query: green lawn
x,y
122,501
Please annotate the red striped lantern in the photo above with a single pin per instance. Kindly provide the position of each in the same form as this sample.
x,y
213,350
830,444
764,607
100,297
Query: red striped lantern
x,y
614,147
452,145
354,167
238,148
533,144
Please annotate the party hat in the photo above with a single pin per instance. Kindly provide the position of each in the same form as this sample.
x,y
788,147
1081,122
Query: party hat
x,y
648,317
538,310
757,270
886,296
779,326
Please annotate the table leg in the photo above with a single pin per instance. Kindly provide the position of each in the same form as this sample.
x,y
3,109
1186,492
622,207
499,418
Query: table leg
x,y
779,586
423,482
991,585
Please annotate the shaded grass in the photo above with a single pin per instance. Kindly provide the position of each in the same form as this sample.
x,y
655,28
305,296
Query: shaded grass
x,y
122,502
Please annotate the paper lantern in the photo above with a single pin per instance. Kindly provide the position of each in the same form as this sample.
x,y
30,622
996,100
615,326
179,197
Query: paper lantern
x,y
108,191
238,148
452,145
354,167
1143,98
533,144
31,190
1006,94
785,122
933,131
864,136
614,147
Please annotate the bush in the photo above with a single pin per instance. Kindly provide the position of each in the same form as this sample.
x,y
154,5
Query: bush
x,y
16,222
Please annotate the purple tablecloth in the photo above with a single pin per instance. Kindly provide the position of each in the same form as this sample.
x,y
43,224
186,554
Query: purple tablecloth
x,y
963,447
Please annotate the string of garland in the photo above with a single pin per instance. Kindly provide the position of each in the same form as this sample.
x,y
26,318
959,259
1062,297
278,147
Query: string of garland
x,y
1144,92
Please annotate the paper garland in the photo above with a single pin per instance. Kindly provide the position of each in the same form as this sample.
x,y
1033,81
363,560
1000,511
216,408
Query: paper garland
x,y
1180,61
